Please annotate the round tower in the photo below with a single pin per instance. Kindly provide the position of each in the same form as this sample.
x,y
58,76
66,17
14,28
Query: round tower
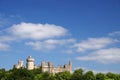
x,y
30,63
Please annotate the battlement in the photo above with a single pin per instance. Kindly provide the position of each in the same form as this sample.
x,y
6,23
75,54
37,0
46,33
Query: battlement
x,y
30,59
46,66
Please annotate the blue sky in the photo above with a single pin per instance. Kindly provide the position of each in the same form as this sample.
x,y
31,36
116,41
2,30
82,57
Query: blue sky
x,y
87,32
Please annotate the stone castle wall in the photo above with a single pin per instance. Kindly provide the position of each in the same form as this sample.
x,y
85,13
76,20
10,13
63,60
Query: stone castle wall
x,y
46,66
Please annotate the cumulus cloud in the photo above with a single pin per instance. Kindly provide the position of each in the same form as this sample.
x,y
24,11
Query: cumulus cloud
x,y
3,21
4,42
49,44
62,41
4,46
40,45
41,34
115,33
37,31
111,55
93,44
7,38
69,51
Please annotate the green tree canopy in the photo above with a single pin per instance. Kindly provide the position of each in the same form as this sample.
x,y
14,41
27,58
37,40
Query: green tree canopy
x,y
77,75
63,76
37,74
100,76
89,76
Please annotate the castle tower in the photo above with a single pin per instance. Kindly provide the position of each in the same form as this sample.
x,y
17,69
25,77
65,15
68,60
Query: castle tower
x,y
19,65
30,63
70,66
50,66
45,67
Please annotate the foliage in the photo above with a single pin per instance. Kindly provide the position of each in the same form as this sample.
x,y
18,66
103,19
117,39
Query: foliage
x,y
100,76
63,76
89,76
37,74
77,75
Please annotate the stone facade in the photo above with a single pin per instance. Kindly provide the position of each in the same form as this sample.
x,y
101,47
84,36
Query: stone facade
x,y
30,63
19,65
49,67
46,66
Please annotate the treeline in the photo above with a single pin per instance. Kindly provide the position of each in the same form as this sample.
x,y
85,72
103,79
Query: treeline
x,y
37,74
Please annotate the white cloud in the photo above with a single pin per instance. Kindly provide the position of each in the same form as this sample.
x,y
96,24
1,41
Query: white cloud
x,y
49,44
111,55
67,51
61,42
115,33
93,44
4,47
37,31
3,21
7,38
104,71
30,31
94,71
40,45
4,42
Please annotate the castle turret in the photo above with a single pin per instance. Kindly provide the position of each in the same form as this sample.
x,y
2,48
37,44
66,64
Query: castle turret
x,y
19,65
20,62
70,66
46,66
50,66
30,63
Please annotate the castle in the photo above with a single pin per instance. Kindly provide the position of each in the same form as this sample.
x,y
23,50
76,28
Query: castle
x,y
45,66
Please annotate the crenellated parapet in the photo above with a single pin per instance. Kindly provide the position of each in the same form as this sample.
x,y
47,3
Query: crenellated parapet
x,y
46,66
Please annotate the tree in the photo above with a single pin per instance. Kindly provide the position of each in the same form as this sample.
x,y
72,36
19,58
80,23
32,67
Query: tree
x,y
2,74
100,76
117,76
36,71
38,77
77,75
110,75
89,76
63,75
42,76
22,74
